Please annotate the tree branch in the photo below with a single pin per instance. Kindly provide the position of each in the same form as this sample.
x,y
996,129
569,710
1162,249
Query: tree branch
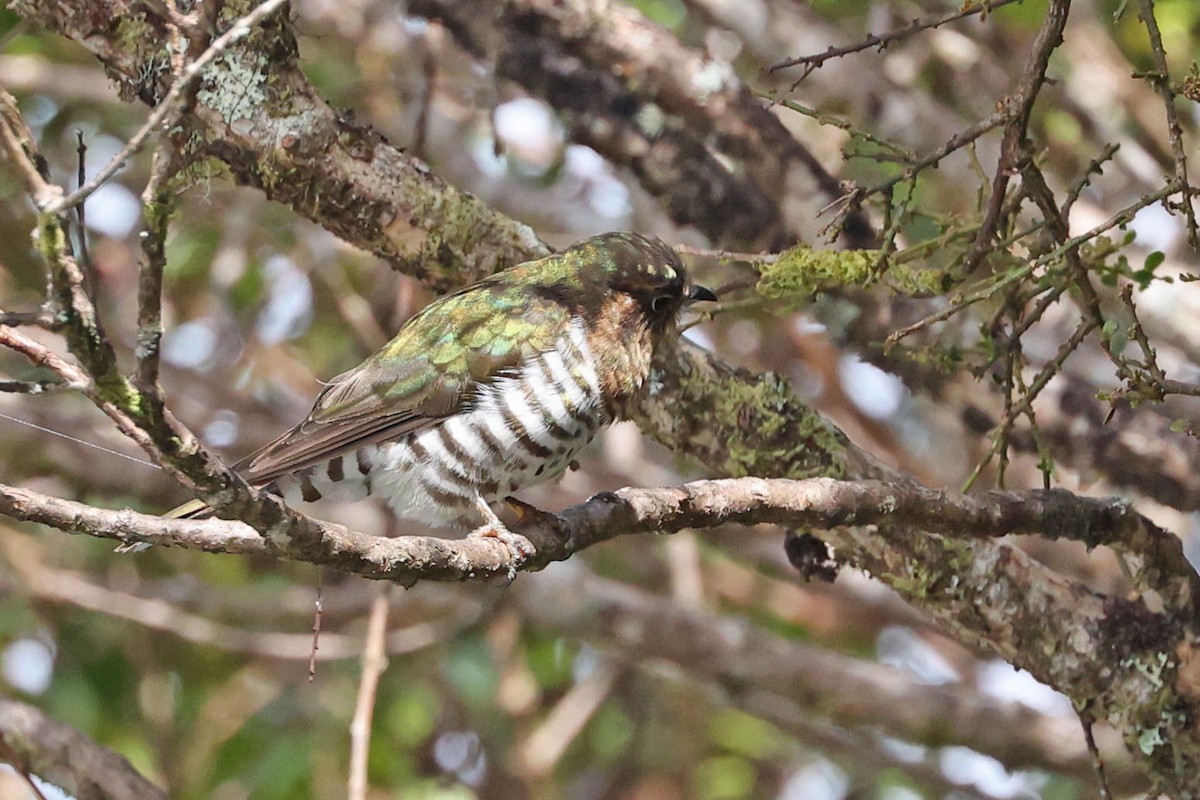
x,y
1162,84
63,756
819,503
881,41
257,112
1133,666
748,664
1049,36
167,112
686,126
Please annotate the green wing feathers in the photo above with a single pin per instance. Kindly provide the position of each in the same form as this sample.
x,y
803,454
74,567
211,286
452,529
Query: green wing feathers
x,y
434,365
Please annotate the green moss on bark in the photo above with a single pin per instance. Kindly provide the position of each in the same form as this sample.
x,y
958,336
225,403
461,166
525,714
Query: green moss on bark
x,y
801,273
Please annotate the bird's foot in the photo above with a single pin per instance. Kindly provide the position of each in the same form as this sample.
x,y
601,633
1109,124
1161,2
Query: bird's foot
x,y
519,548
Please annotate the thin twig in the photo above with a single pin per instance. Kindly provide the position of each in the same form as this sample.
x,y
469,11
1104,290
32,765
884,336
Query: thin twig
x,y
374,661
1025,404
815,61
73,377
1095,167
1087,721
165,112
85,256
1012,148
1147,379
1139,335
1162,83
727,255
825,119
995,285
956,142
31,387
318,615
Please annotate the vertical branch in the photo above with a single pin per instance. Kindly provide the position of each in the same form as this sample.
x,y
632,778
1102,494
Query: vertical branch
x,y
85,335
158,202
1162,83
81,217
374,661
140,416
1049,36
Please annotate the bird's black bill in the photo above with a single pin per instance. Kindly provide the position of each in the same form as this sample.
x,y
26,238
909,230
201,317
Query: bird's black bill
x,y
700,293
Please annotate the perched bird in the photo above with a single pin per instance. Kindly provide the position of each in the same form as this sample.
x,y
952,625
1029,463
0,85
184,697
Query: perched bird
x,y
487,390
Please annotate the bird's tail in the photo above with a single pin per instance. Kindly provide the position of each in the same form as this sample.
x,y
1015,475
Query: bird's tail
x,y
192,509
198,509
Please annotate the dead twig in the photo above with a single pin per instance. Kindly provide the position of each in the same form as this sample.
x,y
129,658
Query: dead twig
x,y
1161,79
815,61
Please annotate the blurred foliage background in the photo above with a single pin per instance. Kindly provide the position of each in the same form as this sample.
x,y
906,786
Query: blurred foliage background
x,y
196,666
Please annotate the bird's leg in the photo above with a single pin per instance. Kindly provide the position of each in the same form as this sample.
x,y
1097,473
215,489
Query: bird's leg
x,y
519,548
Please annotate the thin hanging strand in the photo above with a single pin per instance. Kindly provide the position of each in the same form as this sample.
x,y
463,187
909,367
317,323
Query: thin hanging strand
x,y
67,436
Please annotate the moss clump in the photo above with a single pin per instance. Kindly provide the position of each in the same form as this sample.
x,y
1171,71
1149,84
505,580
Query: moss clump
x,y
751,425
799,274
938,575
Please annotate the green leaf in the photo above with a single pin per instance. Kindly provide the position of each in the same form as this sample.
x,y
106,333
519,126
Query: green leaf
x,y
723,778
1118,341
741,733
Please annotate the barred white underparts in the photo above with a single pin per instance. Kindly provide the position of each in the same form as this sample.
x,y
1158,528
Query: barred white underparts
x,y
517,431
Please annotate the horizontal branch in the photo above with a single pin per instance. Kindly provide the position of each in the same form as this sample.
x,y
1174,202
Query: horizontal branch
x,y
817,503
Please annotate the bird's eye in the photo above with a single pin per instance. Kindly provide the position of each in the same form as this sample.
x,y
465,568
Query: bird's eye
x,y
660,302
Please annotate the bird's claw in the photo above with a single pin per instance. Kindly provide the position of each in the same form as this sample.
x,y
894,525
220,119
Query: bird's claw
x,y
519,548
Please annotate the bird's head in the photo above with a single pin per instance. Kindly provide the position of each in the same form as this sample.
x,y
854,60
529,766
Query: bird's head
x,y
641,268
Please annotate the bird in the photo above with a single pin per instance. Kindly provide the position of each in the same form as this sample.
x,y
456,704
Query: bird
x,y
488,390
